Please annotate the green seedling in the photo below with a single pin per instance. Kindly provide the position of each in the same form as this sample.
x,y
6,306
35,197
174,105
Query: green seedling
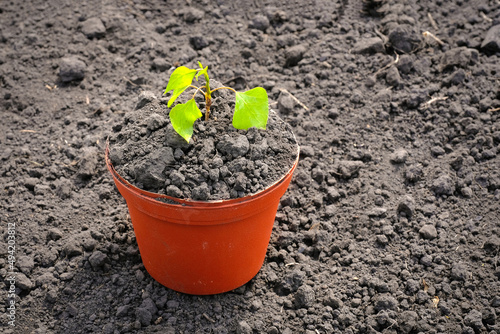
x,y
251,107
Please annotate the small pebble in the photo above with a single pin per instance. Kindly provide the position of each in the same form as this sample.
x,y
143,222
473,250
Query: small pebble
x,y
382,239
466,192
160,64
459,272
393,78
385,302
260,22
437,151
428,232
71,68
399,156
93,28
294,55
491,41
305,296
243,328
98,259
407,206
443,185
143,316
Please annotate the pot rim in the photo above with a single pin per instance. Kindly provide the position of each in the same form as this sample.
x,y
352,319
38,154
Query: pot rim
x,y
151,196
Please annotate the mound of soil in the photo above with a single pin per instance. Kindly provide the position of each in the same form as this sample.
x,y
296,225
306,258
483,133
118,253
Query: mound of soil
x,y
219,162
390,224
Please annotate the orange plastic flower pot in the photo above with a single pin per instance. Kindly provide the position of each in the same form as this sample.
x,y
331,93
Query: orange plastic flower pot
x,y
202,248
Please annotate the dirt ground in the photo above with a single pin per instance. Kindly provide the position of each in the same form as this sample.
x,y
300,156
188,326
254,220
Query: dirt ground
x,y
390,224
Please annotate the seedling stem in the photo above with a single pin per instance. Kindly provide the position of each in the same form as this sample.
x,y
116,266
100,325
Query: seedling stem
x,y
251,107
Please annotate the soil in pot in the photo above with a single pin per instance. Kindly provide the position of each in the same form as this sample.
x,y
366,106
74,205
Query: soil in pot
x,y
219,163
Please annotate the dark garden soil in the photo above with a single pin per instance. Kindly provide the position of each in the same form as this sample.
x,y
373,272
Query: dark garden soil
x,y
391,223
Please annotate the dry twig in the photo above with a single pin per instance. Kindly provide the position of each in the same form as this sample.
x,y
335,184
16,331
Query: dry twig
x,y
435,301
384,38
208,318
426,286
326,64
433,100
295,99
431,20
486,18
429,34
314,226
388,65
134,84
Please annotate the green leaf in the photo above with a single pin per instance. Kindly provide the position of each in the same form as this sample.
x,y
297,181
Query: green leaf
x,y
180,79
251,109
183,116
202,71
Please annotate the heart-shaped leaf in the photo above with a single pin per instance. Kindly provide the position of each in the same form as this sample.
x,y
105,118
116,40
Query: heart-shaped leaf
x,y
183,116
251,109
180,79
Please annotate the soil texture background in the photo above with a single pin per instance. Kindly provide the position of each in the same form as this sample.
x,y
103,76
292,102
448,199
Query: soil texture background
x,y
390,224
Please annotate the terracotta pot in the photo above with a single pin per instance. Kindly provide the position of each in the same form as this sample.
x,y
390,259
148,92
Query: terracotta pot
x,y
202,247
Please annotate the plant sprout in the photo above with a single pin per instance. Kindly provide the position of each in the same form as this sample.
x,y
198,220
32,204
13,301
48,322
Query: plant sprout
x,y
251,107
